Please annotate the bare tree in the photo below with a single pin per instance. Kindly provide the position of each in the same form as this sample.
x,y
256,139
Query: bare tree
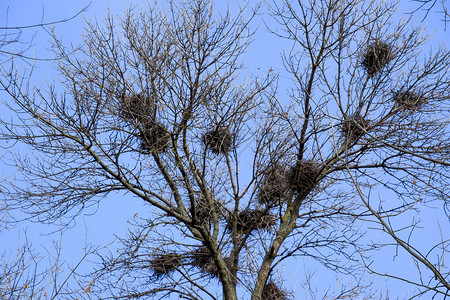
x,y
10,35
24,272
441,6
238,181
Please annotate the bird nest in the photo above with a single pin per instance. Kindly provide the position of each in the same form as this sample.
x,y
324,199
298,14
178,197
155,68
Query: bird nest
x,y
218,140
248,220
203,211
304,175
155,137
165,264
202,258
276,183
409,100
376,57
272,292
355,126
137,107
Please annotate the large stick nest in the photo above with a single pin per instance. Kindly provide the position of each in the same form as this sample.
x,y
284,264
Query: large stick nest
x,y
203,259
272,292
218,140
276,183
355,126
248,220
137,107
409,100
376,57
203,211
164,264
304,175
154,136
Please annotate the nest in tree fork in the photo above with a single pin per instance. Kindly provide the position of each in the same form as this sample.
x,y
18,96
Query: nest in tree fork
x,y
248,220
276,183
355,126
137,107
272,292
165,264
218,140
409,100
304,175
203,259
376,57
203,211
154,136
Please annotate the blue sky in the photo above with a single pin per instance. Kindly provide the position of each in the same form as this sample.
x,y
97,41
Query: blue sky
x,y
100,224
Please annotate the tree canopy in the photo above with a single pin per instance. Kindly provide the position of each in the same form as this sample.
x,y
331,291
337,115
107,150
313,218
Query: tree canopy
x,y
240,176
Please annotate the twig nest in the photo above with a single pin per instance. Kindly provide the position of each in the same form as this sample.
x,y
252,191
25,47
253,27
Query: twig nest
x,y
202,258
203,211
165,264
137,107
355,126
409,100
218,140
276,183
272,292
154,136
304,175
248,220
376,57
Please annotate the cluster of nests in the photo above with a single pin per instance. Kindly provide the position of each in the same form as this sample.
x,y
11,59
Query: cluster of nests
x,y
140,111
376,57
279,180
219,140
165,264
356,126
201,258
246,220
